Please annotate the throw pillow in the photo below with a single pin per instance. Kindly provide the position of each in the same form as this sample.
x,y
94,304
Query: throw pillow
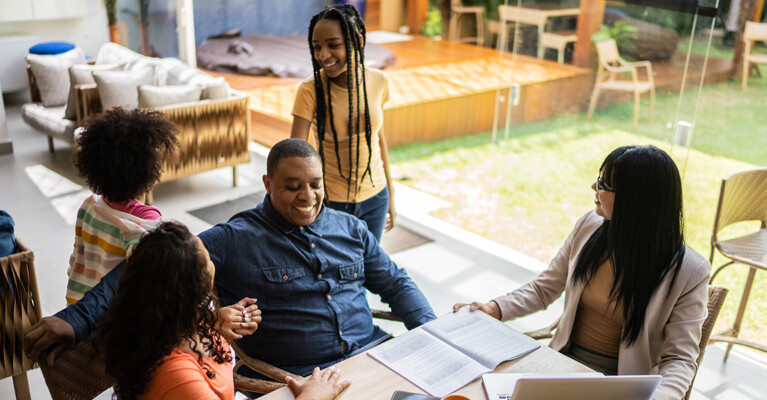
x,y
82,74
52,76
216,88
119,88
157,96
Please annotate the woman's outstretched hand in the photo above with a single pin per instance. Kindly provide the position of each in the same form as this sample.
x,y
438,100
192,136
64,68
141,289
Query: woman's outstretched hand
x,y
322,385
490,308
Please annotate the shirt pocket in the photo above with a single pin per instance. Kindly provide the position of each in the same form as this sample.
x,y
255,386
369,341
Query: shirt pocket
x,y
283,274
352,272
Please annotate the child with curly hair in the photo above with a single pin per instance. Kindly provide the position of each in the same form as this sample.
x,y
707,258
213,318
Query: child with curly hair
x,y
120,154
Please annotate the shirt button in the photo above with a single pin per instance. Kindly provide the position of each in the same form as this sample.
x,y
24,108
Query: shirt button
x,y
312,245
285,277
340,332
301,227
319,276
329,297
355,274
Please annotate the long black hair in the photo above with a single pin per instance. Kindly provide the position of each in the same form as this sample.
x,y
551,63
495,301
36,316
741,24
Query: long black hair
x,y
644,239
353,29
162,300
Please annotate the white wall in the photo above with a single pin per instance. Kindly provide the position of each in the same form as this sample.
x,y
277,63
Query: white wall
x,y
89,32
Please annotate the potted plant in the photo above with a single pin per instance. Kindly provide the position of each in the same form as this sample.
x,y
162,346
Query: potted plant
x,y
111,7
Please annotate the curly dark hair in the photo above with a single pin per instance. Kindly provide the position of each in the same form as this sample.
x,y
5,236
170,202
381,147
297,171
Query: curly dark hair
x,y
163,300
120,153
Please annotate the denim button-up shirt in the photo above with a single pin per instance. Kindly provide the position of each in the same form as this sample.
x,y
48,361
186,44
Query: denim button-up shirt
x,y
310,283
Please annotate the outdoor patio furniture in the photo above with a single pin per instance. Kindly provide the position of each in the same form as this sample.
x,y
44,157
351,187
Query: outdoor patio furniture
x,y
743,197
77,373
754,31
20,308
611,66
538,15
716,297
456,10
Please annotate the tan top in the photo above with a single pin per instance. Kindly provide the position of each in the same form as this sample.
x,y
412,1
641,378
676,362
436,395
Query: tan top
x,y
336,186
599,321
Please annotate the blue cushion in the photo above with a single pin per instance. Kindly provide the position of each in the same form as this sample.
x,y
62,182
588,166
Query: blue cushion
x,y
51,48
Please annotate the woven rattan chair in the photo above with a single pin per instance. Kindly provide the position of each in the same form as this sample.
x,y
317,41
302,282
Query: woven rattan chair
x,y
611,66
716,296
743,197
20,308
77,374
755,31
456,10
245,384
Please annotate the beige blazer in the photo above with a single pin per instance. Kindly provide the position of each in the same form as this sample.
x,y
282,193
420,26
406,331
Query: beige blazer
x,y
668,343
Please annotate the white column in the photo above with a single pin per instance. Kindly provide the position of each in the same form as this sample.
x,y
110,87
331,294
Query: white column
x,y
185,31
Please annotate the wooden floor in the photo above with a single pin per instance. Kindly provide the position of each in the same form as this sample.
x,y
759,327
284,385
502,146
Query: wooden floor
x,y
442,89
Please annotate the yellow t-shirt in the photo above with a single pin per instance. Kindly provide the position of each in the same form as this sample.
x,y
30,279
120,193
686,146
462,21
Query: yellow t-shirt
x,y
336,186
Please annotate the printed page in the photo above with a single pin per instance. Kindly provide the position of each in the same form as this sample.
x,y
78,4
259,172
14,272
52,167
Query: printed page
x,y
427,362
481,337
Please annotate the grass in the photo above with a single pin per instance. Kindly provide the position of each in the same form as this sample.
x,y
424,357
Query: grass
x,y
526,192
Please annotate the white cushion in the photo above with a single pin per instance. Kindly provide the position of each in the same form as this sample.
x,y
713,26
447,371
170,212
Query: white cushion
x,y
216,88
157,96
49,120
52,76
112,53
82,74
120,88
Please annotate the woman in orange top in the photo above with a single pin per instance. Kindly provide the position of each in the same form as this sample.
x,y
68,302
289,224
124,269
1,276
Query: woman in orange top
x,y
158,337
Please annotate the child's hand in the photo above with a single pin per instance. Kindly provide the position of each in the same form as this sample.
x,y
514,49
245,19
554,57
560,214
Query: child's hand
x,y
240,319
322,385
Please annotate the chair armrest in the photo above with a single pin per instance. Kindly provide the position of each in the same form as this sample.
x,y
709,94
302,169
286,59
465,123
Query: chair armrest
x,y
252,384
34,91
387,315
262,367
87,102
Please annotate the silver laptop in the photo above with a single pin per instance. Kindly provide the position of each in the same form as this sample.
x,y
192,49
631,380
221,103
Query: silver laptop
x,y
569,386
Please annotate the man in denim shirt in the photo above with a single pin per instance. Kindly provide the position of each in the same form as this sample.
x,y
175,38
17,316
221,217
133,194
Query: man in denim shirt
x,y
308,265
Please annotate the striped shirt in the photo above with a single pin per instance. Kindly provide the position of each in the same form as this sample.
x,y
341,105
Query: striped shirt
x,y
104,237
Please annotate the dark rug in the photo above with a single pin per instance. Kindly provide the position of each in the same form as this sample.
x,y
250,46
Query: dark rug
x,y
395,240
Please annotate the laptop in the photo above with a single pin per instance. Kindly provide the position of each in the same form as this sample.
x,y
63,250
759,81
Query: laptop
x,y
573,386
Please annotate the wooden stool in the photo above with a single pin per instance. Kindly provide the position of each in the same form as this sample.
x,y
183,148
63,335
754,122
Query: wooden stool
x,y
456,10
558,41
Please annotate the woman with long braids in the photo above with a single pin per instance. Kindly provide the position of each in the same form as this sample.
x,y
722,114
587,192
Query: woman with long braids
x,y
635,294
343,105
158,337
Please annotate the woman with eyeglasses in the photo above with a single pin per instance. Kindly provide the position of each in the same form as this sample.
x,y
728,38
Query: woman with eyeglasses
x,y
635,294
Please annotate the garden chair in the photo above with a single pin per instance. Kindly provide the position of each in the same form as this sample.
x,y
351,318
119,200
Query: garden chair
x,y
611,66
245,384
716,296
557,40
77,373
743,197
20,308
754,31
456,10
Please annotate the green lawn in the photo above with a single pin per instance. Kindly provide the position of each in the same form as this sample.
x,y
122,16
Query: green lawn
x,y
526,192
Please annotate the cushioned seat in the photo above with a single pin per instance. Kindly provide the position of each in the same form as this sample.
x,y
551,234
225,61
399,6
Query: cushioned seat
x,y
49,120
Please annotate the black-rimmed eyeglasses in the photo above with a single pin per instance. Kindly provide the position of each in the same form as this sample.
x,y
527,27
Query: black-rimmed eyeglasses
x,y
601,186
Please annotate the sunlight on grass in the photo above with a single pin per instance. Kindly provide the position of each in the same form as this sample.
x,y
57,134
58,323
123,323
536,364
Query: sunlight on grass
x,y
528,191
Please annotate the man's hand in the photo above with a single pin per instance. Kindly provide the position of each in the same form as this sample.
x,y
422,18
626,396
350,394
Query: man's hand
x,y
52,334
240,319
322,385
490,308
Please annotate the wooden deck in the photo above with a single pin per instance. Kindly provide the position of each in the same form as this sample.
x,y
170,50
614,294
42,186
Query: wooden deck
x,y
442,89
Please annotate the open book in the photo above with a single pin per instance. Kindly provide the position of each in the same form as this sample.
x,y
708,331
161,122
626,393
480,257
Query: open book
x,y
444,355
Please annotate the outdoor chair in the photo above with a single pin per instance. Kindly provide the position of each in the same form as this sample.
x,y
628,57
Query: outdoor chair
x,y
557,40
456,10
716,296
611,66
245,384
743,197
755,31
77,373
20,308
